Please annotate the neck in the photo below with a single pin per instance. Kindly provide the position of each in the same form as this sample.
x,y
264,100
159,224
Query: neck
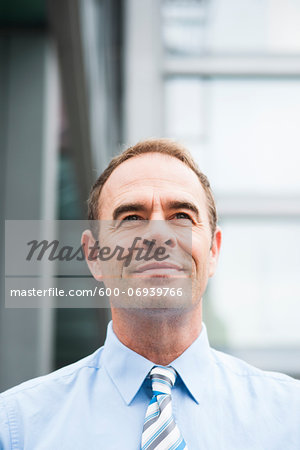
x,y
158,335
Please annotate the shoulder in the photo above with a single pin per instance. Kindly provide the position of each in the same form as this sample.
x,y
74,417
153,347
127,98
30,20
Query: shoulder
x,y
264,404
251,379
48,392
60,377
241,368
34,404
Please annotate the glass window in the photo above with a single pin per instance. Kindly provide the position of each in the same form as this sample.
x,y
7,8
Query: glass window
x,y
243,131
192,27
184,26
256,292
185,113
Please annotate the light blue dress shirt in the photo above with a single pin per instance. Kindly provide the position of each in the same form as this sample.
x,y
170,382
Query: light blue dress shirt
x,y
219,403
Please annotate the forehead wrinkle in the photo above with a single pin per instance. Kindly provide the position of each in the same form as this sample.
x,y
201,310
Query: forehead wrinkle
x,y
152,181
120,184
120,174
153,200
156,202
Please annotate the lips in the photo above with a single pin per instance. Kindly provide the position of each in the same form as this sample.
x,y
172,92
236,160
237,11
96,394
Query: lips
x,y
156,269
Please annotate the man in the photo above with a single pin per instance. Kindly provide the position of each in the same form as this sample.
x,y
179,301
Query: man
x,y
156,383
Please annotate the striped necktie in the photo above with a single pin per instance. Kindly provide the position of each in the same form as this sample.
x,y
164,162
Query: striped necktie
x,y
160,431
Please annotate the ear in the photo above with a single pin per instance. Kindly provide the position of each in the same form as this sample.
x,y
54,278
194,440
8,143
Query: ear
x,y
215,251
91,251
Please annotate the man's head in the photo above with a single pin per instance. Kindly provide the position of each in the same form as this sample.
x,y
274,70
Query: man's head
x,y
154,190
162,146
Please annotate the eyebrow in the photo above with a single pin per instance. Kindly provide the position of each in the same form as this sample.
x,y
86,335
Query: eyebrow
x,y
136,207
178,204
128,207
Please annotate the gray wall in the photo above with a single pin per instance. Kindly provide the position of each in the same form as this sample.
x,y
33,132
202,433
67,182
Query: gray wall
x,y
23,79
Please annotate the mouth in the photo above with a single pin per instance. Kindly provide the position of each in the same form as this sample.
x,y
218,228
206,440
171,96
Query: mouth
x,y
159,270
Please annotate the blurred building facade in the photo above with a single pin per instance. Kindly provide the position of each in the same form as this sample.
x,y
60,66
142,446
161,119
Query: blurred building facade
x,y
82,79
60,89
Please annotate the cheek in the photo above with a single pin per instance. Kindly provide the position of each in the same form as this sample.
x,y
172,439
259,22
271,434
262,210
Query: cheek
x,y
118,244
201,255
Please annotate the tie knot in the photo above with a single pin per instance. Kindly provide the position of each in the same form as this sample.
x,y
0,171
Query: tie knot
x,y
163,379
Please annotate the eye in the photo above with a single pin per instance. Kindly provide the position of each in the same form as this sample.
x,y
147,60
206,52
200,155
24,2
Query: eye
x,y
132,220
132,217
182,215
182,219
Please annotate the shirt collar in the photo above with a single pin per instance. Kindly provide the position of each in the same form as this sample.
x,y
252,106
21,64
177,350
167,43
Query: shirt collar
x,y
128,369
194,365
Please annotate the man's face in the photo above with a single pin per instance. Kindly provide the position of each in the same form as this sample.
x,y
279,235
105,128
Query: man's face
x,y
156,196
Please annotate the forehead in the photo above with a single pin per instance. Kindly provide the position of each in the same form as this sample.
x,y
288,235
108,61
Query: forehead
x,y
149,176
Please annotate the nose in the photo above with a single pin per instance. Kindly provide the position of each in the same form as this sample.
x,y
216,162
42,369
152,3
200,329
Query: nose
x,y
161,232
